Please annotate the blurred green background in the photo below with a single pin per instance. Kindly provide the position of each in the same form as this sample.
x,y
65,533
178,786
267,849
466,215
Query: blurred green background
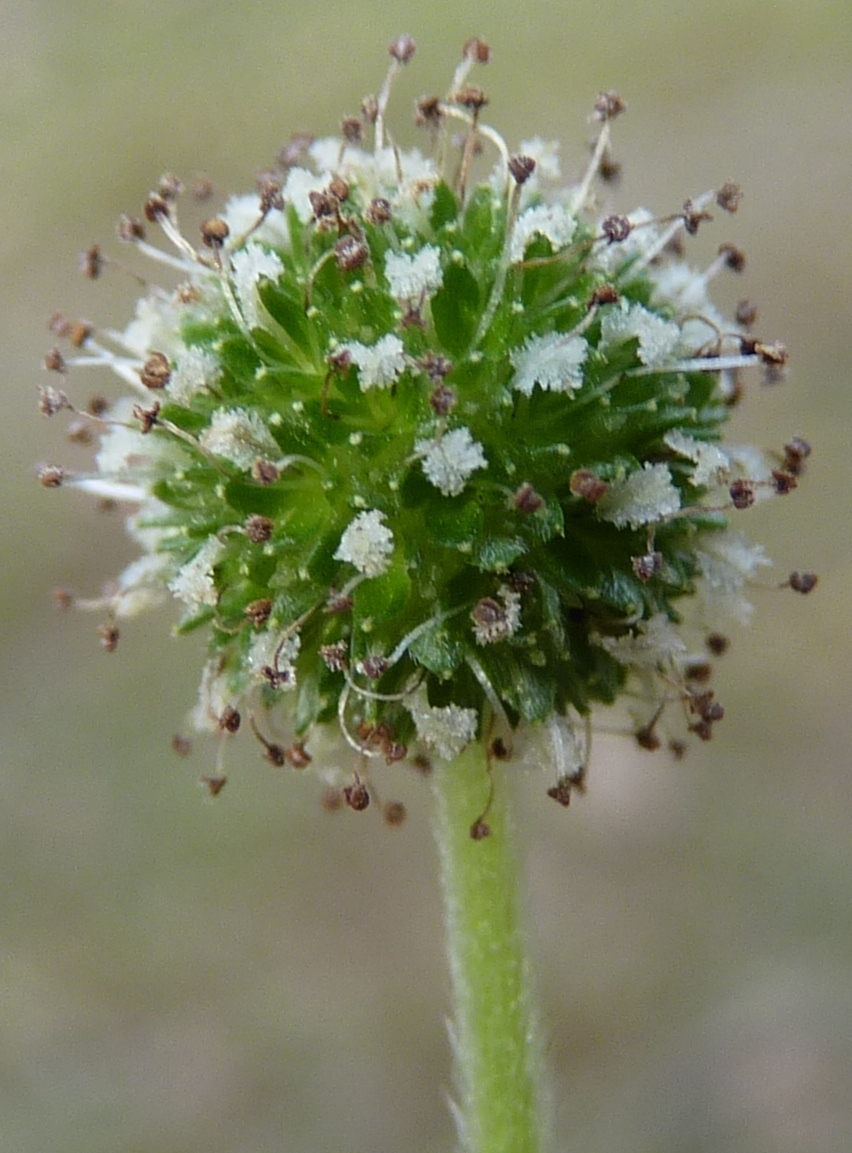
x,y
179,975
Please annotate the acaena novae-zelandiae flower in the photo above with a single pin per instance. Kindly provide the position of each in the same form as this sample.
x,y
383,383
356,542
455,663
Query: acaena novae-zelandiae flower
x,y
431,456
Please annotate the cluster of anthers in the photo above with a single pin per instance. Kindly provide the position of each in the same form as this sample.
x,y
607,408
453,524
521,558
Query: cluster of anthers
x,y
433,456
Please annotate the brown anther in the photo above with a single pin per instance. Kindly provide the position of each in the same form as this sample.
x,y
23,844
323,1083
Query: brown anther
x,y
214,232
274,754
98,404
269,191
718,644
561,791
63,599
259,528
50,475
332,800
155,209
130,229
80,332
609,105
213,784
258,611
394,751
421,764
479,830
169,186
521,168
339,188
703,730
370,109
340,361
604,294
352,129
735,258
471,97
646,737
402,49
373,667
741,493
616,228
276,678
498,750
338,603
356,796
350,253
647,565
230,720
803,582
108,634
442,400
394,814
293,152
428,111
588,485
265,472
378,211
60,325
526,499
80,432
729,196
746,313
521,582
488,613
91,262
609,170
51,400
677,749
156,372
796,452
699,672
298,756
476,50
693,217
324,205
335,656
201,188
783,482
774,354
181,745
147,417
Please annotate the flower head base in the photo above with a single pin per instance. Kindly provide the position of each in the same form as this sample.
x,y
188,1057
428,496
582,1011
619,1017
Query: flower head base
x,y
430,459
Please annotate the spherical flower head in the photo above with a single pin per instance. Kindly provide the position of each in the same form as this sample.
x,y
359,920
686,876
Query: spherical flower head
x,y
430,460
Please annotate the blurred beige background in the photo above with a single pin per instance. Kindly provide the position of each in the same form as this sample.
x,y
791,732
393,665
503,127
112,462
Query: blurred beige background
x,y
249,975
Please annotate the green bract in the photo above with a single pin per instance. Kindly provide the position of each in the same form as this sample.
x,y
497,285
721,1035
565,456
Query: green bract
x,y
430,460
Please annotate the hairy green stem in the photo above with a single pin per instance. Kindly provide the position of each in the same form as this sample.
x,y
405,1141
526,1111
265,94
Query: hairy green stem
x,y
496,1042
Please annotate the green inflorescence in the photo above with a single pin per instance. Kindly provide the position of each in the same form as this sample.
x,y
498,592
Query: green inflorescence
x,y
430,461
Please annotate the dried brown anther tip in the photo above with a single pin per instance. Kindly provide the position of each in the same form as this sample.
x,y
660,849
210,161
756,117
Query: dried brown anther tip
x,y
588,485
471,97
803,582
356,796
609,105
258,612
54,361
378,211
91,262
213,784
476,50
616,228
169,186
479,830
729,196
394,814
428,111
352,129
214,232
694,217
561,791
521,168
297,755
130,228
259,528
147,417
735,258
741,493
109,634
230,720
350,253
156,372
604,294
50,475
647,565
527,500
155,209
265,472
402,49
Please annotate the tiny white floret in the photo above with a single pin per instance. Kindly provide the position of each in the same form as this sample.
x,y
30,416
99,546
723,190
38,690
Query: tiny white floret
x,y
411,278
248,266
449,461
367,543
380,364
658,338
711,463
446,729
268,650
240,436
193,583
551,221
656,642
196,369
643,497
553,361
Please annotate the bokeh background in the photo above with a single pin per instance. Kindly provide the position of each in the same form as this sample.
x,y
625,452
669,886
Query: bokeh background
x,y
252,974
